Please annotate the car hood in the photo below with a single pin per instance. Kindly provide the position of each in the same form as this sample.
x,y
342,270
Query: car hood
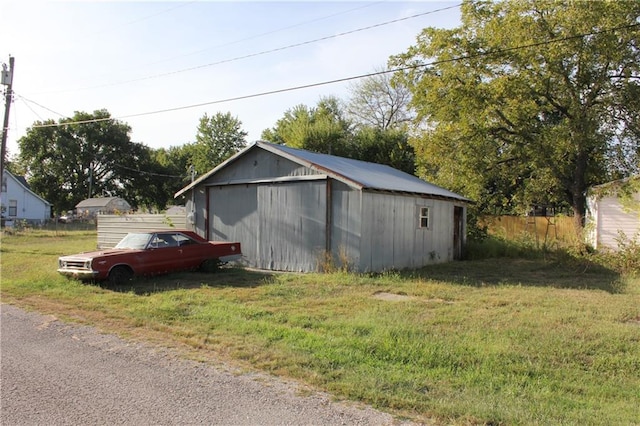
x,y
99,253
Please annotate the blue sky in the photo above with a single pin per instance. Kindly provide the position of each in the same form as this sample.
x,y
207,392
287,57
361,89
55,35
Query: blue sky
x,y
140,57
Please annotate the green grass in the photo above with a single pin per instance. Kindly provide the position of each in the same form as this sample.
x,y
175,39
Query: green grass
x,y
547,339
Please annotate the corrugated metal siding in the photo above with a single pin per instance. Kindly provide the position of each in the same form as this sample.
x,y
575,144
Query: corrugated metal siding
x,y
111,228
280,226
345,224
378,227
234,216
258,164
392,238
292,225
613,218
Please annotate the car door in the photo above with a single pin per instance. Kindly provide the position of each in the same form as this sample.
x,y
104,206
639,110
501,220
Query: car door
x,y
162,255
192,252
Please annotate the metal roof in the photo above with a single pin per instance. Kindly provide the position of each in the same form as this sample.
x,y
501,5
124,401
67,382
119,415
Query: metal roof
x,y
360,174
96,202
363,174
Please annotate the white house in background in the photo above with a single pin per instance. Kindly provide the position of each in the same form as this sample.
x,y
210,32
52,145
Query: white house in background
x,y
19,202
613,211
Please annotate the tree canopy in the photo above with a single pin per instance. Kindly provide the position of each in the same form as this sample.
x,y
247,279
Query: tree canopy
x,y
67,163
218,137
528,102
323,128
379,102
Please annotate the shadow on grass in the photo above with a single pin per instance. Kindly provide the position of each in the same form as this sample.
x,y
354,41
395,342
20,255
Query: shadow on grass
x,y
224,277
562,272
566,273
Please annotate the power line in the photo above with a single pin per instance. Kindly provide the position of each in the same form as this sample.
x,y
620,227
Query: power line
x,y
25,100
264,52
144,18
32,110
253,37
341,80
144,172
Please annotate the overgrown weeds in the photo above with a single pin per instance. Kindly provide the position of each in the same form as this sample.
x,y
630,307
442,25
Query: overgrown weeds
x,y
340,262
626,260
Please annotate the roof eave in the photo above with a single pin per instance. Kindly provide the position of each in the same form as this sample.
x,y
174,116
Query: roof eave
x,y
331,173
214,170
26,188
422,194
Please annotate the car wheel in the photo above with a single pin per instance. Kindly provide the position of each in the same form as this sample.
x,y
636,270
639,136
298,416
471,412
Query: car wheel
x,y
210,265
120,275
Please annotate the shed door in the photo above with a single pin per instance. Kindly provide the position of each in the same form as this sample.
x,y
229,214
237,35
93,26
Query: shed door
x,y
281,226
458,231
292,225
233,216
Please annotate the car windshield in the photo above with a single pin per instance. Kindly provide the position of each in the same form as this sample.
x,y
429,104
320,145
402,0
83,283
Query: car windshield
x,y
134,241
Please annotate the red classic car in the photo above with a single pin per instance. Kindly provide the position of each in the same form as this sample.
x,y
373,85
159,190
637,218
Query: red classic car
x,y
148,253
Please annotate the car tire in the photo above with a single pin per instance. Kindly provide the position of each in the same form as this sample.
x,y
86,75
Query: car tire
x,y
120,275
210,265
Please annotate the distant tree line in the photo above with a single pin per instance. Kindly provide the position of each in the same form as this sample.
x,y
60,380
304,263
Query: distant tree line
x,y
526,103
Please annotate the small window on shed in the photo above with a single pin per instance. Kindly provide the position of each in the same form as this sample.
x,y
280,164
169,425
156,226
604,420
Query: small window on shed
x,y
424,217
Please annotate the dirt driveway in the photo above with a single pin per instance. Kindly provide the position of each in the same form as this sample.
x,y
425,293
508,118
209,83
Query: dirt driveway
x,y
60,374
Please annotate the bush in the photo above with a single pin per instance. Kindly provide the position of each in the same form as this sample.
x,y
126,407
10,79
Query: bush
x,y
626,260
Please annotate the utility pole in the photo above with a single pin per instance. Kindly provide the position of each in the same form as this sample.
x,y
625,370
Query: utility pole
x,y
7,80
90,177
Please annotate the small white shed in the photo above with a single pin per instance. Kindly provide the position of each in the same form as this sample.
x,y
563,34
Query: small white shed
x,y
613,213
90,207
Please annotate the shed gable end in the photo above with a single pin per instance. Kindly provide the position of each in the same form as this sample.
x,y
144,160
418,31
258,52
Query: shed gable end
x,y
259,164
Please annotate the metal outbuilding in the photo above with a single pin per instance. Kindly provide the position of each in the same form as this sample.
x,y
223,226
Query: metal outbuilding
x,y
613,214
104,205
292,208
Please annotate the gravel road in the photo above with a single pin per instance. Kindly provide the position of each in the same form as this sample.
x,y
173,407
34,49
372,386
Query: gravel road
x,y
54,373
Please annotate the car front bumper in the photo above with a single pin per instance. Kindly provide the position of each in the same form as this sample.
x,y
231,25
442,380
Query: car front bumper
x,y
81,274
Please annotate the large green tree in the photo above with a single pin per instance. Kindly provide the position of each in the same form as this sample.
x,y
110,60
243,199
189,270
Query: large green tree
x,y
323,128
218,137
160,174
84,156
389,146
528,102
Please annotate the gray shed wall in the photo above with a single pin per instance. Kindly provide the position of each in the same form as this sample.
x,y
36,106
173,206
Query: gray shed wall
x,y
281,226
392,237
260,164
255,165
346,225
